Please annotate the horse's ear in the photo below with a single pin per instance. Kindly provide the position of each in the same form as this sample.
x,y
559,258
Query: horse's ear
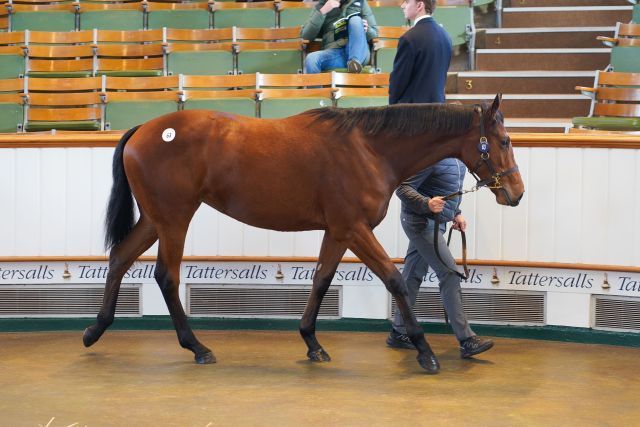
x,y
495,106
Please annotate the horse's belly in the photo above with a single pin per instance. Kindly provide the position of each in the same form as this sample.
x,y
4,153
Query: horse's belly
x,y
269,214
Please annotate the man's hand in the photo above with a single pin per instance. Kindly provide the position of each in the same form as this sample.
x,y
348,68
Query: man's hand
x,y
459,223
365,24
329,6
436,204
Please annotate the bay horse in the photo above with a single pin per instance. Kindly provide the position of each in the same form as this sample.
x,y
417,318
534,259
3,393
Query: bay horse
x,y
325,169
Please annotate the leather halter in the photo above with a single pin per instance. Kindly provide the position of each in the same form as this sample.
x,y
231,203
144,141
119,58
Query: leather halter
x,y
495,182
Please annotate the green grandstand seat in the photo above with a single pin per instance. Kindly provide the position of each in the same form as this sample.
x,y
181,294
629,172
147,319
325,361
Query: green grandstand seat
x,y
200,52
388,13
60,61
457,20
64,104
635,17
11,114
615,103
4,18
271,51
179,15
626,59
59,53
111,15
245,15
293,13
625,48
283,95
232,94
130,53
131,101
386,46
56,16
361,90
11,54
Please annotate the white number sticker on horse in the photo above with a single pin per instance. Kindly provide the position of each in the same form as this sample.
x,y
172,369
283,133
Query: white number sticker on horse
x,y
168,135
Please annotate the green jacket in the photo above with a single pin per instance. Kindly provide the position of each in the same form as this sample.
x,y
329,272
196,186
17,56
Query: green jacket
x,y
319,25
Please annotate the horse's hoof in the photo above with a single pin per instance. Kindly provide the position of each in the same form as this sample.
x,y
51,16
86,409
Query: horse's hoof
x,y
319,356
429,363
89,337
205,358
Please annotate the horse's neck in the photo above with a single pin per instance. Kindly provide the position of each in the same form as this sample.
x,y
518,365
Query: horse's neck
x,y
409,155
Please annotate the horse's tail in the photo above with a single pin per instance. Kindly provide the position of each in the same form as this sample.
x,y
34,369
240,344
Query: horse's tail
x,y
119,219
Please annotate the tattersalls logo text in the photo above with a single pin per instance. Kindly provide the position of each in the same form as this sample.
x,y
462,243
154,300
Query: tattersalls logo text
x,y
626,284
580,280
361,274
255,272
41,272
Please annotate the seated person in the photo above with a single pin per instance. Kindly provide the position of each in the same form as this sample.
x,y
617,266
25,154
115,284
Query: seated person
x,y
346,27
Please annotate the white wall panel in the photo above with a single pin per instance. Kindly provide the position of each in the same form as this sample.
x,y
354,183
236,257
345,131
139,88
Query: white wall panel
x,y
203,232
595,212
634,199
386,231
255,241
568,202
307,243
78,195
541,191
27,202
53,214
488,232
101,181
230,239
620,233
8,202
514,219
580,205
468,208
280,243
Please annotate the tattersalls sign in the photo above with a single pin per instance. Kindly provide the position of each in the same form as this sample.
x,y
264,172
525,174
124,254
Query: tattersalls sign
x,y
348,274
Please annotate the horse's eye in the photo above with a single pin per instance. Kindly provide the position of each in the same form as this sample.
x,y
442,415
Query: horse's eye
x,y
506,142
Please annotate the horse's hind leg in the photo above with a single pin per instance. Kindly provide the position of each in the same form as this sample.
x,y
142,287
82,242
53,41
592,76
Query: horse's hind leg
x,y
331,253
121,257
167,275
364,244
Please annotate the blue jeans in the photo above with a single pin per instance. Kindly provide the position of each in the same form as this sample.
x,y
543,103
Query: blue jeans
x,y
356,48
420,255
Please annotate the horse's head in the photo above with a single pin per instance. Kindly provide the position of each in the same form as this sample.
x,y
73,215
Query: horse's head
x,y
489,155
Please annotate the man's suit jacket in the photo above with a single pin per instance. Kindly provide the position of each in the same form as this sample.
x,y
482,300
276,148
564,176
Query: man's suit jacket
x,y
421,63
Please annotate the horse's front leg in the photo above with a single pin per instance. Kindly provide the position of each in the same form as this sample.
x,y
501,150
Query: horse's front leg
x,y
121,258
331,253
365,245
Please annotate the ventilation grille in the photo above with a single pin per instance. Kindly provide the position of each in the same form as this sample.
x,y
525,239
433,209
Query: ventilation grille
x,y
64,301
620,314
485,307
263,301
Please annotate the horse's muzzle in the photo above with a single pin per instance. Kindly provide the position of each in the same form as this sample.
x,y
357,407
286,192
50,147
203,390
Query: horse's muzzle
x,y
516,202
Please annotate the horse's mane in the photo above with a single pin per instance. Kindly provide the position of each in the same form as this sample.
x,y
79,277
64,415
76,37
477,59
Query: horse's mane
x,y
400,119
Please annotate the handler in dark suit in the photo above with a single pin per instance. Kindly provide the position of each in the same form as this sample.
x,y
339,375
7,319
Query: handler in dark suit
x,y
421,63
419,76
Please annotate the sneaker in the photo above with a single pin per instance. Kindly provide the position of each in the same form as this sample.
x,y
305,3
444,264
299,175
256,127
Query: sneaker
x,y
354,66
398,340
474,345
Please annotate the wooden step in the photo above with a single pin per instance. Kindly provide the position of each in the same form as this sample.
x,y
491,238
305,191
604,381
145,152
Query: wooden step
x,y
562,3
531,106
554,37
587,16
542,59
533,82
